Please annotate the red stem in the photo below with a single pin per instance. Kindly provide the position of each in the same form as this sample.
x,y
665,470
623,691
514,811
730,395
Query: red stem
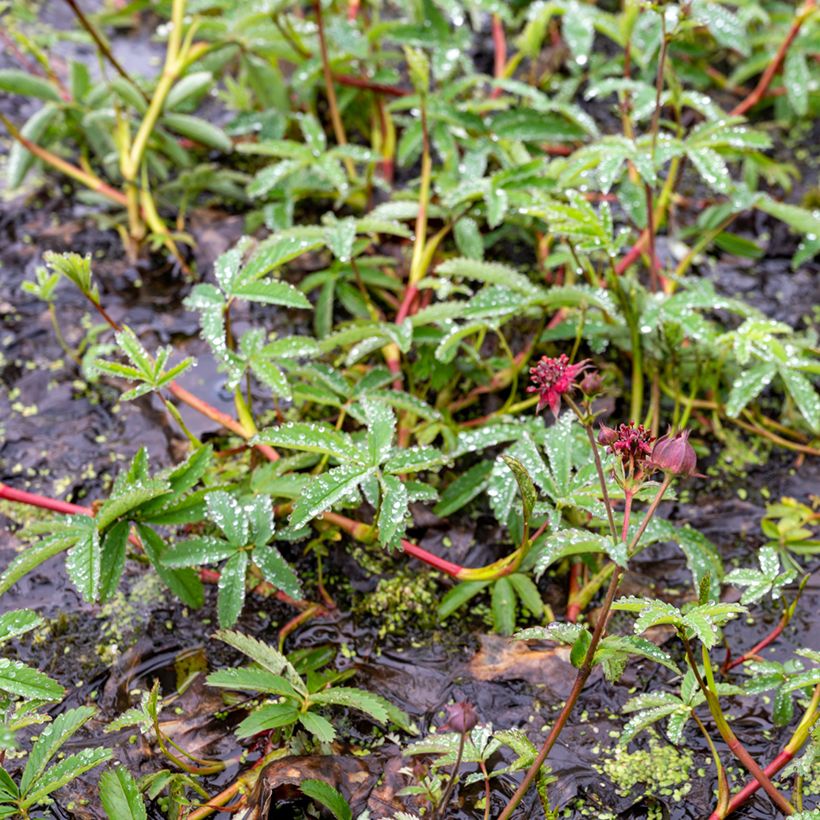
x,y
500,61
574,607
362,82
774,66
34,500
406,308
753,785
758,647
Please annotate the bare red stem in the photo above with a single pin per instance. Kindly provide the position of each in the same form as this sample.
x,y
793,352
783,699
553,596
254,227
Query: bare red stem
x,y
774,66
500,60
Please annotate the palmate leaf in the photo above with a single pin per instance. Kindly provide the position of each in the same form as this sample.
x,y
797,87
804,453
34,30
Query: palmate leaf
x,y
329,488
120,795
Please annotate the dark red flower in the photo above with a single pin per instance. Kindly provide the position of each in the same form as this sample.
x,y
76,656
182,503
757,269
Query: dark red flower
x,y
674,454
633,443
552,378
461,717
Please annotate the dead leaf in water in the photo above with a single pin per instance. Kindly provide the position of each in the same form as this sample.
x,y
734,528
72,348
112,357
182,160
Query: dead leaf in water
x,y
502,658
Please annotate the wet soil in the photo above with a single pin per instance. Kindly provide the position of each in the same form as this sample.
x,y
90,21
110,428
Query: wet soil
x,y
64,438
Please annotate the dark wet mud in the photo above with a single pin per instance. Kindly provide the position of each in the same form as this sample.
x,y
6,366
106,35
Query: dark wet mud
x,y
63,438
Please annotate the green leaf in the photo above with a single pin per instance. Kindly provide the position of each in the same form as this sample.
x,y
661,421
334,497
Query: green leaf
x,y
84,565
68,769
503,606
191,85
15,81
206,549
272,716
198,130
528,592
20,160
271,292
18,679
329,797
748,386
227,513
529,497
801,219
468,238
120,795
277,571
311,438
329,488
381,428
580,647
33,556
393,510
112,559
804,395
493,273
712,168
576,542
321,728
184,583
279,249
464,489
253,680
414,459
18,622
459,595
50,741
372,705
259,652
724,25
231,597
797,79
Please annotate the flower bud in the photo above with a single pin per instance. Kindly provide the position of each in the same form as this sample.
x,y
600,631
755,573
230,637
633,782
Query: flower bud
x,y
674,454
591,384
461,717
607,436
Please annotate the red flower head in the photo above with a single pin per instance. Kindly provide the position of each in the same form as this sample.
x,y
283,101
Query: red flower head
x,y
552,378
631,443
